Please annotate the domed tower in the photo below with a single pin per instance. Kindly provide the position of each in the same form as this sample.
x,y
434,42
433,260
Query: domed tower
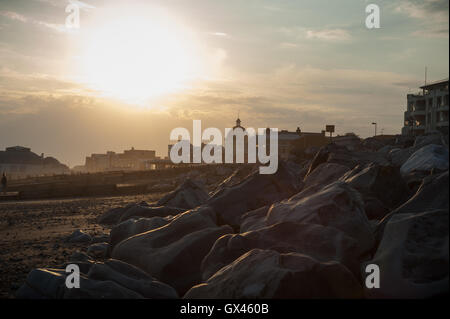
x,y
238,124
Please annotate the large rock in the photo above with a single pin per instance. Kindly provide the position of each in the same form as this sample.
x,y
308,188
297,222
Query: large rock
x,y
413,256
336,205
269,274
132,278
176,263
322,242
133,227
428,158
399,156
93,289
382,182
188,195
98,250
372,144
43,284
254,219
256,191
236,177
112,216
324,174
51,284
333,153
184,241
431,195
78,236
424,140
137,211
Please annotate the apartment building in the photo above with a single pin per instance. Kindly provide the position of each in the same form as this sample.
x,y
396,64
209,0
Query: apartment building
x,y
427,111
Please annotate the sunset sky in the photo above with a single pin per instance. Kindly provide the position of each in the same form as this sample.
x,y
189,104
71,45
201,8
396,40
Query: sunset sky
x,y
135,70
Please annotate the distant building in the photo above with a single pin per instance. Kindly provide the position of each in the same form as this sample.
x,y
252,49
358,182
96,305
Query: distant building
x,y
20,162
427,111
128,160
287,141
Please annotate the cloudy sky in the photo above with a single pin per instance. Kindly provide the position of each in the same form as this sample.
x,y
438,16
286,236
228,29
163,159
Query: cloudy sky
x,y
134,70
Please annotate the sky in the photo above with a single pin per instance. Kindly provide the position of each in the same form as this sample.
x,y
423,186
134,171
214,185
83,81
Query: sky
x,y
134,70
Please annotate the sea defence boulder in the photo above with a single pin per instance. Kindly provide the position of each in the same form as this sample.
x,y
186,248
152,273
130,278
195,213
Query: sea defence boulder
x,y
413,256
337,205
51,284
188,195
324,174
137,211
112,216
184,241
321,242
431,195
269,274
78,236
382,182
132,227
132,278
256,191
98,250
430,157
337,154
424,140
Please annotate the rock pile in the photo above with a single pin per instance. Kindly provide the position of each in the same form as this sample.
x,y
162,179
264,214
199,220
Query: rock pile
x,y
307,231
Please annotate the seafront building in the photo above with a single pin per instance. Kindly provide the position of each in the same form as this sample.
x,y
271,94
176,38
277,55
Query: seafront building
x,y
427,111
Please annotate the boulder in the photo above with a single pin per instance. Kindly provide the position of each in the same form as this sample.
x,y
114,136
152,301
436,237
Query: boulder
x,y
424,140
269,274
337,205
51,284
431,157
398,156
256,191
236,177
98,250
43,284
374,208
382,182
372,144
133,227
324,174
94,289
254,219
333,153
413,256
173,261
188,195
321,242
112,216
132,278
137,211
431,195
100,239
78,236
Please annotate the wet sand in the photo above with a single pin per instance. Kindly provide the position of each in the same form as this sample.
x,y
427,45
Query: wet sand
x,y
32,233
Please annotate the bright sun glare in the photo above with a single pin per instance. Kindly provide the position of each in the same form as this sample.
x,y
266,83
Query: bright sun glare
x,y
137,58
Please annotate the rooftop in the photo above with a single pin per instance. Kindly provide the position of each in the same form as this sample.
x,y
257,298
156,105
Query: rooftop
x,y
435,83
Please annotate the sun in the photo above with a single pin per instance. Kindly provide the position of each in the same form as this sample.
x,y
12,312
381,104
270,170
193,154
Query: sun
x,y
139,57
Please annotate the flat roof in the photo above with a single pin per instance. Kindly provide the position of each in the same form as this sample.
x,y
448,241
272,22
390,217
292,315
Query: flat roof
x,y
435,83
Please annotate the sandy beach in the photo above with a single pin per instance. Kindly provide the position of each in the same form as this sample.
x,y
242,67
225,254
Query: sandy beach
x,y
32,233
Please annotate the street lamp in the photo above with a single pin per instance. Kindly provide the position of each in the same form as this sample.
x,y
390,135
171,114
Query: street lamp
x,y
374,123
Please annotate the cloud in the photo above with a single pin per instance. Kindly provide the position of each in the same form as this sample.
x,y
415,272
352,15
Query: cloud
x,y
433,15
19,17
14,16
425,9
328,35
